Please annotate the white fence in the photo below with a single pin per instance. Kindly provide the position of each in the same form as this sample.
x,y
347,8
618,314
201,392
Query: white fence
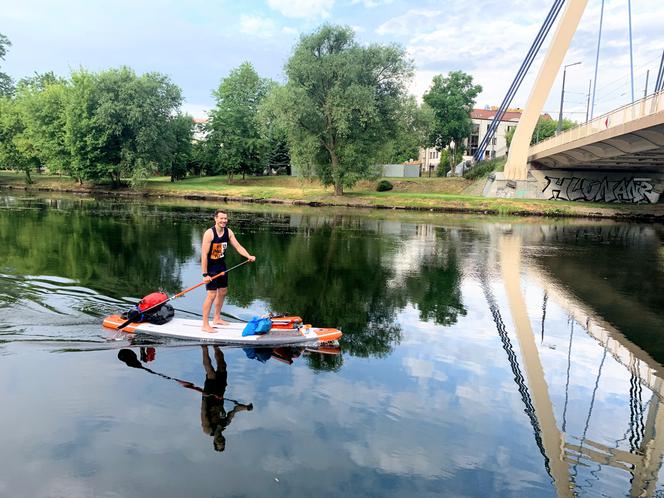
x,y
618,117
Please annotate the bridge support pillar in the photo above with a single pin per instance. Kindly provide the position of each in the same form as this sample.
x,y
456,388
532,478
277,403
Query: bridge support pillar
x,y
516,167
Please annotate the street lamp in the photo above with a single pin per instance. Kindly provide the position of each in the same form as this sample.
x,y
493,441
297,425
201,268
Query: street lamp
x,y
562,96
452,145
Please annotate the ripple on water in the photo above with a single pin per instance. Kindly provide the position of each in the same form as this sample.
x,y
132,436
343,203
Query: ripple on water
x,y
47,308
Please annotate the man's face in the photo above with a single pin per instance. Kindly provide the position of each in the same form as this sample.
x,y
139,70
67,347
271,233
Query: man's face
x,y
221,219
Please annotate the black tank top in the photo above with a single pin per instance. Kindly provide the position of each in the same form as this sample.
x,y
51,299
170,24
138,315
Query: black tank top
x,y
216,255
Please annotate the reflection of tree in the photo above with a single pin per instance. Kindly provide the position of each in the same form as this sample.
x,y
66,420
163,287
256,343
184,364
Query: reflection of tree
x,y
334,271
435,289
117,251
331,274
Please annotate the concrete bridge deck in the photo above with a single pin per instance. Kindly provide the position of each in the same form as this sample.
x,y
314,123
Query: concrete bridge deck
x,y
628,138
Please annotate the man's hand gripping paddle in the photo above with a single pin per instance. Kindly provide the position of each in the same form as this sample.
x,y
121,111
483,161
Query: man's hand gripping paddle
x,y
182,293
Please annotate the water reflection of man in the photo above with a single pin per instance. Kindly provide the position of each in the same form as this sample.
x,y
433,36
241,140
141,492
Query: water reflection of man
x,y
214,418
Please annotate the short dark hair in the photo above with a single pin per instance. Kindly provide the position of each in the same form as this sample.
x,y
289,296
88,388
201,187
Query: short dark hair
x,y
220,211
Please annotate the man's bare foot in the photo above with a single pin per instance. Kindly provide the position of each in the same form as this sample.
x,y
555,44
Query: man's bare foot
x,y
219,322
207,328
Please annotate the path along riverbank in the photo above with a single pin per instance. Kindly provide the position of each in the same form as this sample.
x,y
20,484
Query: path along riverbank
x,y
420,194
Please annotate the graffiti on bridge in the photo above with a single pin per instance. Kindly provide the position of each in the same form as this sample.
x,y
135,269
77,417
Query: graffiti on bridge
x,y
626,189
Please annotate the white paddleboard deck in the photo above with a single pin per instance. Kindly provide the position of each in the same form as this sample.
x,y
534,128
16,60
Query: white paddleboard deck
x,y
184,328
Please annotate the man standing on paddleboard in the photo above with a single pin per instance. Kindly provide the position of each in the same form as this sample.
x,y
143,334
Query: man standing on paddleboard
x,y
213,262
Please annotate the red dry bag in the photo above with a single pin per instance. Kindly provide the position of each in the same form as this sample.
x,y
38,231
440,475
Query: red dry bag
x,y
151,300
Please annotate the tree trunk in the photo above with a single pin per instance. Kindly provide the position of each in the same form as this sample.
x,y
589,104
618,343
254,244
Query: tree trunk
x,y
28,178
338,185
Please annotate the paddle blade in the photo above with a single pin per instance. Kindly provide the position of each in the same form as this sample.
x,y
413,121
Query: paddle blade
x,y
132,316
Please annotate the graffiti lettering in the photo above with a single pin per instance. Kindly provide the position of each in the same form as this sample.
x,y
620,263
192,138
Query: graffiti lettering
x,y
572,188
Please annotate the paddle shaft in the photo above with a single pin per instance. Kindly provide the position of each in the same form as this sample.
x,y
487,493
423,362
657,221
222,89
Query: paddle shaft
x,y
182,293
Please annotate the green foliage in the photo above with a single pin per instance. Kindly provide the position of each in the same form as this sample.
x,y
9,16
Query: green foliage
x,y
16,150
444,164
341,104
181,132
414,127
6,83
451,98
384,186
484,168
41,102
275,134
545,128
235,132
117,123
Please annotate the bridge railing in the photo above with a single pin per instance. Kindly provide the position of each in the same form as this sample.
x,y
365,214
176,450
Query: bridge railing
x,y
644,107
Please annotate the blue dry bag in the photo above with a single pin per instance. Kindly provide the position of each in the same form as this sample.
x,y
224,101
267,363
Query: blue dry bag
x,y
257,326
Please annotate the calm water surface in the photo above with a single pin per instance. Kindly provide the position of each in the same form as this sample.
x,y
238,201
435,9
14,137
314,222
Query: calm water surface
x,y
481,357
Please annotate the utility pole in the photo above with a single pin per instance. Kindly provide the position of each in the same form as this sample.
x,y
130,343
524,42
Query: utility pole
x,y
562,96
590,83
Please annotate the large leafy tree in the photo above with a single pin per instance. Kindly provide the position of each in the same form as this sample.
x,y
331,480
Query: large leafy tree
x,y
341,103
6,83
451,98
16,150
235,133
117,123
41,101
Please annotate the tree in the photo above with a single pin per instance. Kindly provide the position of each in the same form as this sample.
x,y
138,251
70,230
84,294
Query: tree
x,y
341,104
545,128
234,125
181,131
6,83
117,123
451,98
415,125
16,151
275,134
41,101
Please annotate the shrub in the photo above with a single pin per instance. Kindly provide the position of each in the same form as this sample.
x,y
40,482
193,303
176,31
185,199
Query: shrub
x,y
484,168
384,186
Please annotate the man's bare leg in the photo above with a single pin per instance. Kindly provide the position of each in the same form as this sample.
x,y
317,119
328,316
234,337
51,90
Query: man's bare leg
x,y
207,364
207,306
218,303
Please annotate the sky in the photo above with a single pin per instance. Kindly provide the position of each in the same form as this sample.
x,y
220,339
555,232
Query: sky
x,y
197,43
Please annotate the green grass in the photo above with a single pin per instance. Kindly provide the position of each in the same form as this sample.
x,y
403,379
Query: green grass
x,y
433,194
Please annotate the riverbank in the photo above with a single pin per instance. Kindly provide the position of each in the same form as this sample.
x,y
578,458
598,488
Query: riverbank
x,y
424,194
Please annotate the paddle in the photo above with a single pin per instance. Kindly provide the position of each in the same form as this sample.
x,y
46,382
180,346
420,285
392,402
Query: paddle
x,y
129,358
182,293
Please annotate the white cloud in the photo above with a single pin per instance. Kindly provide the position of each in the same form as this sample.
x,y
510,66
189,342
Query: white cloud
x,y
370,4
302,8
493,54
413,21
262,27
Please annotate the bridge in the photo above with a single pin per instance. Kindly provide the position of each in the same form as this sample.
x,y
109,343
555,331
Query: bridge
x,y
616,157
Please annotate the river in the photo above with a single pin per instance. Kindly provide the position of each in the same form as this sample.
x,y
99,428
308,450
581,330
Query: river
x,y
481,356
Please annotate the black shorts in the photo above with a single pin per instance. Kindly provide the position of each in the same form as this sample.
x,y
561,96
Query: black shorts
x,y
219,282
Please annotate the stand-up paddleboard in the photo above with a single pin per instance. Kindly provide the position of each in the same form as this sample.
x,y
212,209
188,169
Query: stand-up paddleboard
x,y
285,330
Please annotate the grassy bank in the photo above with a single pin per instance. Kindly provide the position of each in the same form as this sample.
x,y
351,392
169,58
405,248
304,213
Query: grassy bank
x,y
436,194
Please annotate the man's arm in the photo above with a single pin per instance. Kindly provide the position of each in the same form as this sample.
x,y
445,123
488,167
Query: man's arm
x,y
238,247
205,248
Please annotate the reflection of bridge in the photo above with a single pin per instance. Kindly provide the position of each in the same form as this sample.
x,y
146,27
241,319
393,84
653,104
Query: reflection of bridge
x,y
644,462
